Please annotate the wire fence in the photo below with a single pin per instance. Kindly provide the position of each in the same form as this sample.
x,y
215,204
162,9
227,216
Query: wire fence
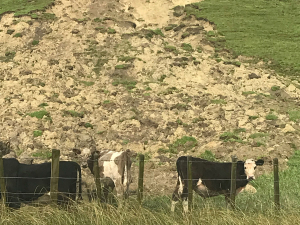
x,y
60,187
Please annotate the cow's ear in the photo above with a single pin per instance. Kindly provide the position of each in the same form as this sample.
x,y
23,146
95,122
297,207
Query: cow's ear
x,y
260,162
76,151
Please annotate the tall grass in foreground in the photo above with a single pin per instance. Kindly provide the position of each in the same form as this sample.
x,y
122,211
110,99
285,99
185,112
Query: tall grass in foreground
x,y
251,208
133,214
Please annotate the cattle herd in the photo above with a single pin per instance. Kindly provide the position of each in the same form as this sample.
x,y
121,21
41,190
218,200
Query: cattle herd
x,y
26,183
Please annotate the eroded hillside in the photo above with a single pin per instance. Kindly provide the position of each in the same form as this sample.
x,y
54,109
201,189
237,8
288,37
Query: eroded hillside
x,y
140,76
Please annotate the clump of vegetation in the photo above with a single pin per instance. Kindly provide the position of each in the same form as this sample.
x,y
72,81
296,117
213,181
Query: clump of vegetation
x,y
123,66
186,143
9,55
198,119
10,31
42,154
87,83
162,77
18,35
171,48
43,104
294,115
275,88
170,90
87,125
41,114
239,130
180,106
37,133
218,101
246,93
258,135
271,117
97,20
185,35
187,47
73,113
253,117
111,31
170,27
208,155
35,42
106,101
230,137
235,63
128,84
126,58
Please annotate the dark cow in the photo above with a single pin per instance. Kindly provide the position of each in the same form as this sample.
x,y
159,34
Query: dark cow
x,y
29,182
11,168
211,178
34,181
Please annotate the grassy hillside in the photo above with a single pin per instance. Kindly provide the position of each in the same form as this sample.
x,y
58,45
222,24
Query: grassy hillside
x,y
265,29
22,7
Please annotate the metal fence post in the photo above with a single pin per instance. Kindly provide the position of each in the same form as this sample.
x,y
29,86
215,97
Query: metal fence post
x,y
141,178
276,184
190,183
2,180
54,175
233,182
97,175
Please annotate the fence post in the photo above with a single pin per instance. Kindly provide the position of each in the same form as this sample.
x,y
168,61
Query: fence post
x,y
276,184
54,175
2,180
233,182
141,178
97,175
190,183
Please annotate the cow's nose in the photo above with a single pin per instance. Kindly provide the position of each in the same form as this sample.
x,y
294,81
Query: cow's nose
x,y
251,178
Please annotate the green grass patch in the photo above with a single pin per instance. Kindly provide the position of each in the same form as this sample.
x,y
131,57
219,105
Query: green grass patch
x,y
23,7
126,58
128,84
246,93
266,29
73,113
123,66
87,83
294,115
111,31
271,117
208,155
18,35
218,101
37,133
40,114
42,154
253,117
230,137
35,42
162,77
43,104
186,143
87,125
258,135
187,47
275,88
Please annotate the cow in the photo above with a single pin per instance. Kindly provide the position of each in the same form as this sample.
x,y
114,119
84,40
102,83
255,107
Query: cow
x,y
114,169
211,178
11,168
34,181
26,183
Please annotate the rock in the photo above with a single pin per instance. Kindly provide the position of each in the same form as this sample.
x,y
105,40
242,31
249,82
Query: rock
x,y
178,11
288,128
291,88
25,72
253,76
75,31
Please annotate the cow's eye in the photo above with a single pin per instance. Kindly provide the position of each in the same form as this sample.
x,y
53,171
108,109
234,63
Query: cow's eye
x,y
245,167
254,167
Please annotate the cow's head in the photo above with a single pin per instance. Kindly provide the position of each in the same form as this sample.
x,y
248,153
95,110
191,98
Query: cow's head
x,y
250,166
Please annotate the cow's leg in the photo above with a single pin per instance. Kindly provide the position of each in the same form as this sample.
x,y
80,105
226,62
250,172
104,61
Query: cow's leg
x,y
180,193
176,195
120,191
227,200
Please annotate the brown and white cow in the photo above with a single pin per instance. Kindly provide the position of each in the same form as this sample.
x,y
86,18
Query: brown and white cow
x,y
114,169
211,178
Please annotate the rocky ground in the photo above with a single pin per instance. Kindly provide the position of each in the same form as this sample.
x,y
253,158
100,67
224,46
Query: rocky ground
x,y
141,76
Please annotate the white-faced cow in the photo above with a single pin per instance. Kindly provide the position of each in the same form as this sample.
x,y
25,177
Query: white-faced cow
x,y
114,169
211,178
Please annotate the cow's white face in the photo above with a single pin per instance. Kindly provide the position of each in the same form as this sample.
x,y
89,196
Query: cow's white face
x,y
250,166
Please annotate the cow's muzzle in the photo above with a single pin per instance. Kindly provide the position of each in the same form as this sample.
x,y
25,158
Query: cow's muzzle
x,y
251,178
